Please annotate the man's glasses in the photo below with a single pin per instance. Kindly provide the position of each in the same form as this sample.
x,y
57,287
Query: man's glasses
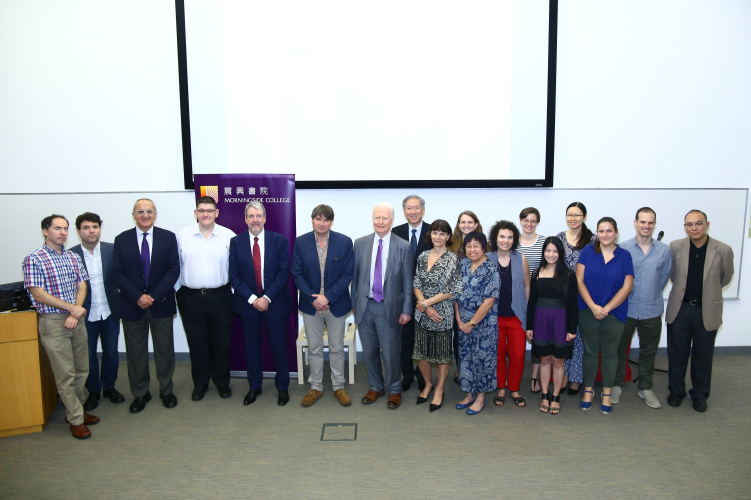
x,y
689,225
145,212
206,212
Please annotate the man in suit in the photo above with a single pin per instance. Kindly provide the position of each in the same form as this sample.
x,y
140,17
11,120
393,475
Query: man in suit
x,y
102,303
414,231
702,266
322,267
145,266
259,272
382,300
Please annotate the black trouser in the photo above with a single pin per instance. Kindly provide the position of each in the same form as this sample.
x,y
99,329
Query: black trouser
x,y
207,320
408,347
687,337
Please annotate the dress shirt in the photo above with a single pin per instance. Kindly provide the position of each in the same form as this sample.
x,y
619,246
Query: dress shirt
x,y
417,234
603,281
697,257
384,260
100,309
651,273
149,238
261,245
58,274
204,262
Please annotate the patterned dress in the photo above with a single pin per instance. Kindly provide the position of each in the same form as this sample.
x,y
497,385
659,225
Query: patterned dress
x,y
478,350
433,340
573,366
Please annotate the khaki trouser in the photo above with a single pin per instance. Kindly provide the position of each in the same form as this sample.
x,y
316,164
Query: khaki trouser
x,y
69,357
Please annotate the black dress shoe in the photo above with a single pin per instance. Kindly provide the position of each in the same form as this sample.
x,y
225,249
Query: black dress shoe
x,y
169,400
674,400
225,392
115,397
92,401
139,404
406,383
283,398
251,396
699,404
198,393
420,381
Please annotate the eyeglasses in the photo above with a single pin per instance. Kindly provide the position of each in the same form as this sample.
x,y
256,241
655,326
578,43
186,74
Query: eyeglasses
x,y
145,212
574,216
689,225
527,221
206,212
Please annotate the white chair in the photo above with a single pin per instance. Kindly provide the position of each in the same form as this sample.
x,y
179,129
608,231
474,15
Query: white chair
x,y
350,346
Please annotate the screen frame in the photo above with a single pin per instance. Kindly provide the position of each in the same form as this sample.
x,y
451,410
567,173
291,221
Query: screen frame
x,y
547,182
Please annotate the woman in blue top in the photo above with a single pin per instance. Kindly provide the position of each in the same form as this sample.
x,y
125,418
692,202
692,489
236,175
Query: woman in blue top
x,y
605,274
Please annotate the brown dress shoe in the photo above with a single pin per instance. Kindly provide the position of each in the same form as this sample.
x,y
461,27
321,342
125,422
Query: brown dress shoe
x,y
90,419
343,397
395,400
371,396
80,431
311,397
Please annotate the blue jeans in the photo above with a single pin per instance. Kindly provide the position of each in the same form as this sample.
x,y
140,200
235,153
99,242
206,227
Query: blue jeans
x,y
108,330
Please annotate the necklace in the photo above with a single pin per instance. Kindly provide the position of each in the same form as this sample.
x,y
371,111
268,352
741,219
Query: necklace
x,y
500,268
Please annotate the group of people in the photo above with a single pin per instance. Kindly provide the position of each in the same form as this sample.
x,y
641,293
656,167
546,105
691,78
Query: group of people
x,y
420,293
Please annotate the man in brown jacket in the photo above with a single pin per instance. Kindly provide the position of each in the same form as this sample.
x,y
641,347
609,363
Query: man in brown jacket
x,y
701,268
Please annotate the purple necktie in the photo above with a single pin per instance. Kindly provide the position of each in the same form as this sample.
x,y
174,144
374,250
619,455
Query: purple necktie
x,y
145,259
377,275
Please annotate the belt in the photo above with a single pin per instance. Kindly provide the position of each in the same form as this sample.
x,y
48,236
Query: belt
x,y
693,302
204,291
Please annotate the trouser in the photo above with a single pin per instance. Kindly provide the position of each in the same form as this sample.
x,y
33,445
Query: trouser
x,y
687,337
207,320
106,330
376,337
69,358
276,333
649,340
314,325
600,337
136,335
512,342
408,346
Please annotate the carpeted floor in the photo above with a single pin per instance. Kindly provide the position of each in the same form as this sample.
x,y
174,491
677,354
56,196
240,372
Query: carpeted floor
x,y
221,449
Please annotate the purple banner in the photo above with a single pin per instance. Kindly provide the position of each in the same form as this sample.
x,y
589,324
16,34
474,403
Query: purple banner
x,y
277,193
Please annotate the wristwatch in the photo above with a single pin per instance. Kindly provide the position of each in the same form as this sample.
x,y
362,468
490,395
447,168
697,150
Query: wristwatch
x,y
471,323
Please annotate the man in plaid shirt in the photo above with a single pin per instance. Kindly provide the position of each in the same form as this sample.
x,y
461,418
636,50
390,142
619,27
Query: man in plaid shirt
x,y
56,279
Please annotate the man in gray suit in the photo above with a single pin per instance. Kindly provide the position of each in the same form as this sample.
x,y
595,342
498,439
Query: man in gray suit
x,y
382,303
702,266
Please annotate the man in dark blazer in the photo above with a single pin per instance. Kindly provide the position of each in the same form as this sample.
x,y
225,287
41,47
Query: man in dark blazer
x,y
145,266
702,267
259,273
327,303
103,310
382,300
416,232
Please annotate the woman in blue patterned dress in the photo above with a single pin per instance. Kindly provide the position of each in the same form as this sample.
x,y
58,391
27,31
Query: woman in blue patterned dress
x,y
477,318
574,240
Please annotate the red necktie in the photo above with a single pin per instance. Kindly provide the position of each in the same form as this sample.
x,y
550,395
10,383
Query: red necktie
x,y
257,267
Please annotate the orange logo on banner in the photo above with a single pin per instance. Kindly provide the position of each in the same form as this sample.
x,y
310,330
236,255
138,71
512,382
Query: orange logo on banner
x,y
212,191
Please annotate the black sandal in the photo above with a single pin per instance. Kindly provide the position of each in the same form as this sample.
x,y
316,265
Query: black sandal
x,y
535,385
499,400
545,397
556,399
519,401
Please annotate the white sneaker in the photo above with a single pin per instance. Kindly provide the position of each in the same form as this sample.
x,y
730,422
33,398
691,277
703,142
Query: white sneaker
x,y
649,397
615,395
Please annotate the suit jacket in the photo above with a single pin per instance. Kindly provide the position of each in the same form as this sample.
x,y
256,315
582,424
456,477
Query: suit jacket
x,y
110,288
397,284
275,274
337,275
718,271
405,232
127,271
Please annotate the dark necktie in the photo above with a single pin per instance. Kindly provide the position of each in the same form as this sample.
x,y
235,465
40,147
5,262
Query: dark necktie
x,y
413,243
145,258
257,267
377,275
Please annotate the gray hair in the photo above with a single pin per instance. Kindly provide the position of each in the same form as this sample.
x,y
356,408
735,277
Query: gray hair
x,y
143,199
257,205
413,196
385,204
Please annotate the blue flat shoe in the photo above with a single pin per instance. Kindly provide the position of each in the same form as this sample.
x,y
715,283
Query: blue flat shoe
x,y
461,406
470,411
604,409
586,405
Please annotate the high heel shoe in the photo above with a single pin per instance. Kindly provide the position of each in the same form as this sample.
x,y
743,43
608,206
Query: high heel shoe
x,y
438,406
470,411
461,406
571,391
604,409
555,399
421,400
545,397
586,405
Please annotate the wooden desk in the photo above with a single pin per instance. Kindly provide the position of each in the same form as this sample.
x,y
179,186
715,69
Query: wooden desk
x,y
28,393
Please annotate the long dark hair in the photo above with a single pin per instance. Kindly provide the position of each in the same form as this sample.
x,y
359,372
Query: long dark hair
x,y
561,269
608,220
586,235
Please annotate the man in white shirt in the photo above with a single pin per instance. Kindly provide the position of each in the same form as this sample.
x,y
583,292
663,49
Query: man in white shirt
x,y
204,298
103,318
